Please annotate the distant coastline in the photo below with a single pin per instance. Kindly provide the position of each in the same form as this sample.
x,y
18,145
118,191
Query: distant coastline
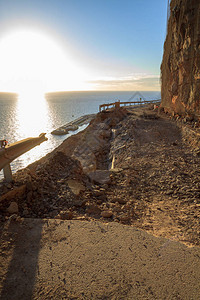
x,y
8,95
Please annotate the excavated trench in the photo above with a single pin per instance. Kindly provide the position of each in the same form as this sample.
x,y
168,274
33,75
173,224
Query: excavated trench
x,y
136,169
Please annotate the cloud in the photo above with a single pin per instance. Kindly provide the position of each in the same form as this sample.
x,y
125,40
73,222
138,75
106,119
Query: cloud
x,y
136,81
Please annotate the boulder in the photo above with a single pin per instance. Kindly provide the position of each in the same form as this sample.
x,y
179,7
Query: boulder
x,y
100,176
75,186
13,208
71,127
15,193
65,215
106,214
59,132
93,209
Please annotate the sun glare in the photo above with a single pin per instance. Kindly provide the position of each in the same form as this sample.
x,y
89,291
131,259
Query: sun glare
x,y
33,63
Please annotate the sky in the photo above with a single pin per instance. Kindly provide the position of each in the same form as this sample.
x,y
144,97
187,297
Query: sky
x,y
60,45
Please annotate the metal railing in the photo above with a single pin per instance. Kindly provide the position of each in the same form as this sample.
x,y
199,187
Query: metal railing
x,y
118,104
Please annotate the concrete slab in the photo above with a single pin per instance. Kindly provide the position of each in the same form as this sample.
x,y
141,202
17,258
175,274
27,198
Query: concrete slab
x,y
55,259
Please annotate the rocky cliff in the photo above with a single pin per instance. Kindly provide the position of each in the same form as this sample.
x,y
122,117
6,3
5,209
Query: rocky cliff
x,y
180,69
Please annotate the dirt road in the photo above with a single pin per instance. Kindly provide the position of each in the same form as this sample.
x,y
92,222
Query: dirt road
x,y
54,259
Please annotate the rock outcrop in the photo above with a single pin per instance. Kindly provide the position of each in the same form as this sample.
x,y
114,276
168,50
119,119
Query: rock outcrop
x,y
180,69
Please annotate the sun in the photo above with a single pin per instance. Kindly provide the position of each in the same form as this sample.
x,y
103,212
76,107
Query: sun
x,y
33,63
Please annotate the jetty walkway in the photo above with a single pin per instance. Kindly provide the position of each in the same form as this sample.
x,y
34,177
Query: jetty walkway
x,y
73,125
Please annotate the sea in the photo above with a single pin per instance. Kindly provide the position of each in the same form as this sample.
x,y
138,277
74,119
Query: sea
x,y
30,116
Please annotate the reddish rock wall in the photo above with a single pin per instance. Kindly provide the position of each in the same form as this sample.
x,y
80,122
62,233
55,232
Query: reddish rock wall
x,y
180,69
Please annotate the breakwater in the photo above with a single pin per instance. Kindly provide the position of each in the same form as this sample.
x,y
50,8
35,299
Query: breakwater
x,y
73,125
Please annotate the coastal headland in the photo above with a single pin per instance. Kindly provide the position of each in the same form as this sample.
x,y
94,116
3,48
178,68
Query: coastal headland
x,y
112,213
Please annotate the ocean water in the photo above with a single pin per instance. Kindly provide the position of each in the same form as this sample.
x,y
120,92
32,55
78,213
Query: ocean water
x,y
22,118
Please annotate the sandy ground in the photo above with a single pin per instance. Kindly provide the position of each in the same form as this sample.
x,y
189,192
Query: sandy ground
x,y
54,259
135,236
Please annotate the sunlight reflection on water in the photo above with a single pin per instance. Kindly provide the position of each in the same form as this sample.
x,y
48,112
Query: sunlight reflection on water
x,y
32,116
24,118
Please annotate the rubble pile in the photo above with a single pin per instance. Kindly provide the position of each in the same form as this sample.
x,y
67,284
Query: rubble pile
x,y
154,183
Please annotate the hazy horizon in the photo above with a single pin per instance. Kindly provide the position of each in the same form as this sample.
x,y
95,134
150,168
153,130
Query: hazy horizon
x,y
83,91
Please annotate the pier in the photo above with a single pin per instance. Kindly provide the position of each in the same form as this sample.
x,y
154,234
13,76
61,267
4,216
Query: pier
x,y
73,125
14,150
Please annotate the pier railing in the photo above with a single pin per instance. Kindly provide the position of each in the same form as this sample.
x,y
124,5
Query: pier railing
x,y
117,104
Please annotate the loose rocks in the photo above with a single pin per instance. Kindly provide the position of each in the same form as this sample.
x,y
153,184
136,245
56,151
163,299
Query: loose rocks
x,y
106,214
13,208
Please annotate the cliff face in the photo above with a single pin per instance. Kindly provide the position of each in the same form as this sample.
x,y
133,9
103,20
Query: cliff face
x,y
180,69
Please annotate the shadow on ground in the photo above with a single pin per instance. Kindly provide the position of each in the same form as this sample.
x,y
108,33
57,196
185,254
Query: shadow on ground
x,y
21,241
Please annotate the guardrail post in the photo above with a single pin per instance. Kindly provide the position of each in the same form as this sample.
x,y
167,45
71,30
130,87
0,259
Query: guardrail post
x,y
7,173
117,104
